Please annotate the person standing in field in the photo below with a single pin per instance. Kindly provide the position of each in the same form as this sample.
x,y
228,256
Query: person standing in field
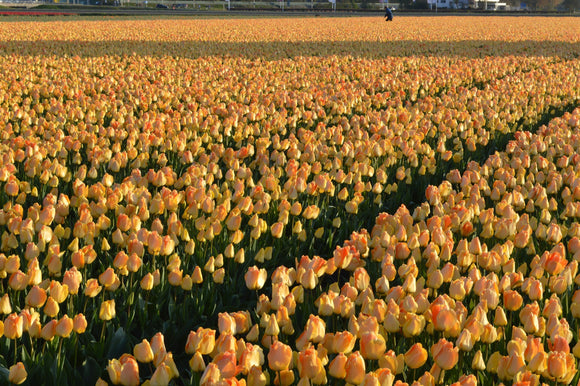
x,y
388,14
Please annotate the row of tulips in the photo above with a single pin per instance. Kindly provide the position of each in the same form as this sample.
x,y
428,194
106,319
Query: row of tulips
x,y
289,37
425,298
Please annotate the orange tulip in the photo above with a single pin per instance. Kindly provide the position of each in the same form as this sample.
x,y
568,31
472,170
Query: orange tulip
x,y
309,364
79,324
143,352
255,278
13,326
279,356
36,297
372,345
17,374
416,356
355,368
512,300
444,354
343,342
64,327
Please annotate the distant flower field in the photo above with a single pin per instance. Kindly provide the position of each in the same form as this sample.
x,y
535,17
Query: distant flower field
x,y
290,201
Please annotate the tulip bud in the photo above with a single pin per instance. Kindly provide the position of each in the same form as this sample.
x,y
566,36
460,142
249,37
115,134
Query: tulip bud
x,y
79,324
17,374
107,310
143,352
416,356
64,327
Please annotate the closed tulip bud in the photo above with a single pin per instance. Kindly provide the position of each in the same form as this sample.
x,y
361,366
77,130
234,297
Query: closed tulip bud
x,y
197,276
444,354
5,306
413,325
478,363
218,276
576,350
79,324
147,282
161,376
129,375
465,341
500,318
416,356
254,333
539,362
272,328
58,291
13,326
18,281
355,368
36,297
17,374
284,378
186,283
169,362
107,310
279,356
372,345
64,327
33,330
92,288
255,278
256,377
309,364
343,342
226,323
337,367
175,277
143,352
512,300
48,332
72,279
561,366
277,229
493,362
196,363
309,280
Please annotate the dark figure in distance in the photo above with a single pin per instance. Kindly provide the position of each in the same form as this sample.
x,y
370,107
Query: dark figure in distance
x,y
388,14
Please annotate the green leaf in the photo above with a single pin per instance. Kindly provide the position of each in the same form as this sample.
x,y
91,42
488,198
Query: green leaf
x,y
4,372
119,344
91,371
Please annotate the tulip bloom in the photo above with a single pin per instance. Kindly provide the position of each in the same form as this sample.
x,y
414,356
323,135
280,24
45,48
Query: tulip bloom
x,y
13,326
79,324
444,354
416,356
143,352
129,374
355,368
279,357
343,342
309,364
255,278
64,327
337,367
107,310
17,374
372,345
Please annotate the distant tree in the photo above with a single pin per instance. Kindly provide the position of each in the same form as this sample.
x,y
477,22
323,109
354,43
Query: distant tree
x,y
571,5
420,4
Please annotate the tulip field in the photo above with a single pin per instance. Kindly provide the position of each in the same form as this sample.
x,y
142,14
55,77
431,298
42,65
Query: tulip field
x,y
290,201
